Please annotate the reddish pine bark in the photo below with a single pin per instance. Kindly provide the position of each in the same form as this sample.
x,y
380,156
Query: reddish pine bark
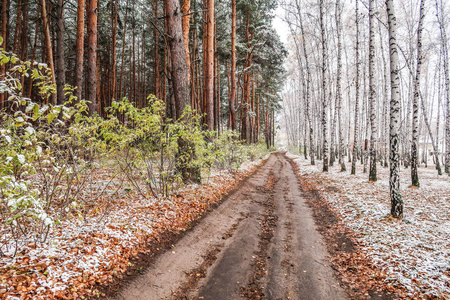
x,y
233,67
156,75
209,88
178,56
5,8
245,127
186,7
113,51
91,79
60,62
18,25
180,86
121,84
79,49
24,38
48,45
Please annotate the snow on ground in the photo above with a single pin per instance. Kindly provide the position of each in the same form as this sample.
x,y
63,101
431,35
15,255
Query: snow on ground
x,y
413,251
83,252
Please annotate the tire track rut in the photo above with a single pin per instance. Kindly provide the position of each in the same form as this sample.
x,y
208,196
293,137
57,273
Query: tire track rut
x,y
260,243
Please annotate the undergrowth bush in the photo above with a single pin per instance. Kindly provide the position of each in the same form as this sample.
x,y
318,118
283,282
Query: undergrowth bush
x,y
58,164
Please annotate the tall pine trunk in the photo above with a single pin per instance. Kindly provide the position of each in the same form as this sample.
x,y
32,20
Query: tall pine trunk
x,y
186,7
18,26
156,77
121,91
233,91
60,61
79,60
209,88
4,33
245,126
113,51
180,85
48,45
91,80
24,39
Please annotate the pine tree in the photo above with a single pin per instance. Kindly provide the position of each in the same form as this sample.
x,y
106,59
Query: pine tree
x,y
60,58
91,80
48,44
79,49
180,86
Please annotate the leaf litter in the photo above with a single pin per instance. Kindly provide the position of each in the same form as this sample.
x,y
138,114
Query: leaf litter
x,y
410,256
83,255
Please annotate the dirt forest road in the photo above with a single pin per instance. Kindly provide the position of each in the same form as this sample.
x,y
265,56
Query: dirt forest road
x,y
260,243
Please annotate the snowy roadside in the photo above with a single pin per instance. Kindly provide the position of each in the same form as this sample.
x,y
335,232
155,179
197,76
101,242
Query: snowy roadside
x,y
82,254
413,252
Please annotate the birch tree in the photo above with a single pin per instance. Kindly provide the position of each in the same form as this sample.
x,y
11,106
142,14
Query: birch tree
x,y
308,86
441,21
373,114
324,88
356,128
415,118
339,84
394,176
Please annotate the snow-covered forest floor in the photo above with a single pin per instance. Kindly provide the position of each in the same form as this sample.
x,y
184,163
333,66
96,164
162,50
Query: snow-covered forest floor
x,y
83,254
414,252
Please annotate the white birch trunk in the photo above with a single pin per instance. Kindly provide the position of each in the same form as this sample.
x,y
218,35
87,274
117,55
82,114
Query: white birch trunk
x,y
415,118
373,119
394,176
440,17
308,88
356,129
338,86
324,89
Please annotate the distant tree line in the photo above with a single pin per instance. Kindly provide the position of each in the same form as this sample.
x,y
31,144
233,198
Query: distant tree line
x,y
120,48
366,82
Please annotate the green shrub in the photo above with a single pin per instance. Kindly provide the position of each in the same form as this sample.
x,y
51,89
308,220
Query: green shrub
x,y
57,162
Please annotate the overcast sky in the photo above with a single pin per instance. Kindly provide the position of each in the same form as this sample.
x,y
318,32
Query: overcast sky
x,y
280,26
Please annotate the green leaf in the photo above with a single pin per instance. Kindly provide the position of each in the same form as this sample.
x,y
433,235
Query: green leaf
x,y
29,107
36,110
5,60
51,117
35,73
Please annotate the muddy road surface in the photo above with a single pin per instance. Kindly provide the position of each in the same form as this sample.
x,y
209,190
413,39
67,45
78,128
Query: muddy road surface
x,y
260,243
